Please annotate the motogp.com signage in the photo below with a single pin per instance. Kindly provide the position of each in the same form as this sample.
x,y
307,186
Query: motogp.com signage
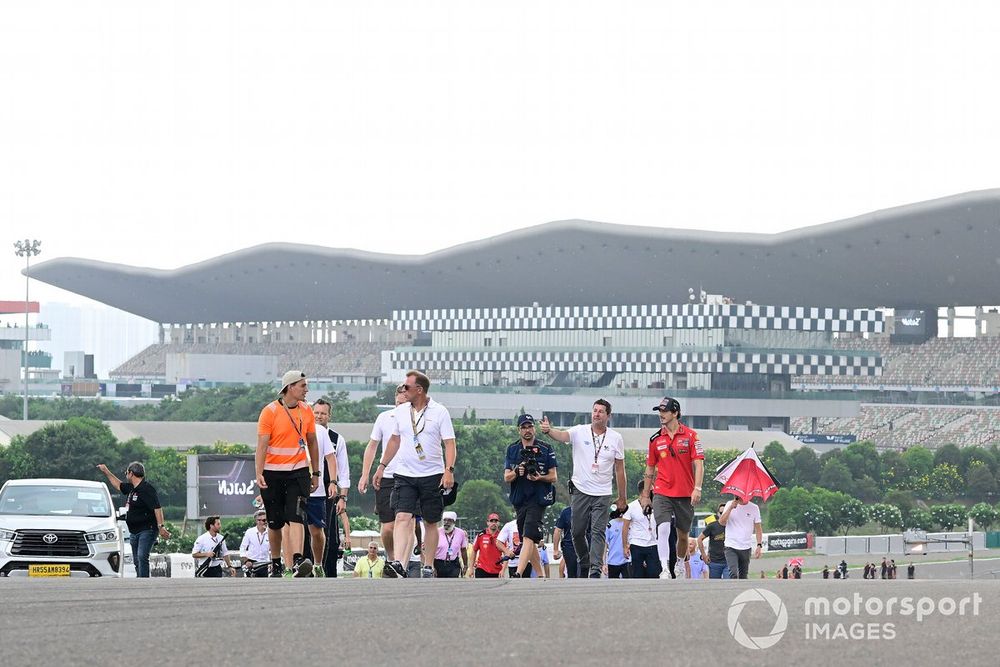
x,y
787,541
220,485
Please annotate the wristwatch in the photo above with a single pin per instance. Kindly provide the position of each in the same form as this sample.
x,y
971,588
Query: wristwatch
x,y
316,473
451,468
760,545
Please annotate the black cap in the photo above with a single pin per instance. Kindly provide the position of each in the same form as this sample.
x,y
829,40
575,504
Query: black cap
x,y
525,419
669,404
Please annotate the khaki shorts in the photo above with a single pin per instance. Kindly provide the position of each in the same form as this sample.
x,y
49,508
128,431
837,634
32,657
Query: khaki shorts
x,y
680,510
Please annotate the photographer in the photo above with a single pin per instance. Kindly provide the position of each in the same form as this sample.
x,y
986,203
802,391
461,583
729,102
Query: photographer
x,y
530,470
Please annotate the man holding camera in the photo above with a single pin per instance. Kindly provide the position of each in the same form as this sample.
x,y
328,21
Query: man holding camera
x,y
530,469
598,456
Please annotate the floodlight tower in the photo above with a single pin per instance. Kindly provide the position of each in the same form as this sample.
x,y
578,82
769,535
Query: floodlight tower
x,y
27,248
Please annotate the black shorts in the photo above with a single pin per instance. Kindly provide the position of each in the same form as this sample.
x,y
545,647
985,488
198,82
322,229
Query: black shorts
x,y
285,496
383,501
419,496
483,574
680,510
529,522
450,569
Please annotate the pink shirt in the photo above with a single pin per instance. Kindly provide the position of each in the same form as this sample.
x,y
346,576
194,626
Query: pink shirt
x,y
449,551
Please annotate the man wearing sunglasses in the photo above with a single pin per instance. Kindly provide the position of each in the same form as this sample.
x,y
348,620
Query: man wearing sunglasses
x,y
424,439
598,456
676,462
255,550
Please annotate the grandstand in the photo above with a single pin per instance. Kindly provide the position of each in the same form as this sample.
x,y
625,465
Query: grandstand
x,y
834,325
901,426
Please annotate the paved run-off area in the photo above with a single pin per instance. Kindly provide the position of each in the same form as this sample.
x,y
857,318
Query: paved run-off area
x,y
439,622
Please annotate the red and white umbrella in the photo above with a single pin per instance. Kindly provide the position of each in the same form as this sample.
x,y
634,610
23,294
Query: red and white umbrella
x,y
746,477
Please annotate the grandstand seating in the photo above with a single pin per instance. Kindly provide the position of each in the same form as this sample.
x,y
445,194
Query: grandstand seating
x,y
929,426
320,360
939,362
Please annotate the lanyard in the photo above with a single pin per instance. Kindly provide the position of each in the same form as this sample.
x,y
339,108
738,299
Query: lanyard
x,y
450,539
597,444
260,537
415,421
298,427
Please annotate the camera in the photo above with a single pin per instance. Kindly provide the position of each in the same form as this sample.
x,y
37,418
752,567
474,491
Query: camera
x,y
529,459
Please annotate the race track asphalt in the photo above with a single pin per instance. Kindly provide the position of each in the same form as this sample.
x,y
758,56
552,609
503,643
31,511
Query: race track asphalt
x,y
200,622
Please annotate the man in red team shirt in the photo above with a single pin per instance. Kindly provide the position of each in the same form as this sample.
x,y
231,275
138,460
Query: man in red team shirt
x,y
677,462
485,552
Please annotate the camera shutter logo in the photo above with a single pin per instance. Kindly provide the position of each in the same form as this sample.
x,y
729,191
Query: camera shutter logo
x,y
776,606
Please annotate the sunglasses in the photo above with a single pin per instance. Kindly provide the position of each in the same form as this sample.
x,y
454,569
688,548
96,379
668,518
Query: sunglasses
x,y
372,548
494,521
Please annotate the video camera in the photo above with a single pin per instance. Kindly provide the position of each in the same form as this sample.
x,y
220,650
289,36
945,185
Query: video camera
x,y
529,458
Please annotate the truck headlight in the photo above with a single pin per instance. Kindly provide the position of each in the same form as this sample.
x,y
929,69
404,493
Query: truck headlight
x,y
7,535
103,536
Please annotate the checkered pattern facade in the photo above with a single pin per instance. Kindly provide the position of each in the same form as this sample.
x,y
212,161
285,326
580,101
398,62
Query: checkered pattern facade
x,y
683,316
718,361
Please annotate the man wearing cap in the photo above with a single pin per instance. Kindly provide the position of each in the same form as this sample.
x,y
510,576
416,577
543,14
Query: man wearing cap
x,y
424,438
449,561
381,432
486,554
676,462
598,456
530,469
286,428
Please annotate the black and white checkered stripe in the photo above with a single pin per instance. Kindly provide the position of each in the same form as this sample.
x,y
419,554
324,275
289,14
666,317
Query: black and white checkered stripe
x,y
724,361
677,316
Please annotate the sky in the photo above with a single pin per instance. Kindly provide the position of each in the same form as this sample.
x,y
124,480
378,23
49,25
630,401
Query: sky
x,y
162,134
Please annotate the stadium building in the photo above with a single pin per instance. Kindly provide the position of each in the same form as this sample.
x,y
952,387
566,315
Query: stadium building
x,y
836,331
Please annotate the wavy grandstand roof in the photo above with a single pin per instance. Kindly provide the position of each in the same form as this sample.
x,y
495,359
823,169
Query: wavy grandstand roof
x,y
944,252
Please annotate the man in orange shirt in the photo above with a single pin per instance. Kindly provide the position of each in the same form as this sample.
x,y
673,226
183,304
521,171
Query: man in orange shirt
x,y
285,429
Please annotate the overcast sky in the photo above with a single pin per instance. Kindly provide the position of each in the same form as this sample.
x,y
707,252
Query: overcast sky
x,y
161,134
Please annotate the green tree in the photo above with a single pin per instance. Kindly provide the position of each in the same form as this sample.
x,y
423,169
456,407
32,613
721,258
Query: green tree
x,y
948,516
949,454
831,503
779,462
902,499
974,454
985,515
862,459
851,515
818,520
886,516
807,466
920,520
836,477
945,482
788,506
477,498
980,484
919,461
895,471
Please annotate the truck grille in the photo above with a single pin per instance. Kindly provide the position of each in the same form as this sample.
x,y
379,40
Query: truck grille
x,y
32,543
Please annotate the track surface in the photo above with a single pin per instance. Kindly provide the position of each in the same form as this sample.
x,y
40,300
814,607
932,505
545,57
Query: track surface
x,y
437,622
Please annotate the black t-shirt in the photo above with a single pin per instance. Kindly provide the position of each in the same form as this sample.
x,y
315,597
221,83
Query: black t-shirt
x,y
140,500
716,534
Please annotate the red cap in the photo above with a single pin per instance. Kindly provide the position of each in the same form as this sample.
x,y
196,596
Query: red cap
x,y
493,516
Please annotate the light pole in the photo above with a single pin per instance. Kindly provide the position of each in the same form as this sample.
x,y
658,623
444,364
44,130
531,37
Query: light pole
x,y
27,248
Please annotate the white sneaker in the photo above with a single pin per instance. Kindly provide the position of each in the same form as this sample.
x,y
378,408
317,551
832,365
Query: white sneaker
x,y
664,575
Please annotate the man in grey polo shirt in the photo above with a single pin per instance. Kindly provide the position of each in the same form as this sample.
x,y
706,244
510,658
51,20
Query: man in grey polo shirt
x,y
598,455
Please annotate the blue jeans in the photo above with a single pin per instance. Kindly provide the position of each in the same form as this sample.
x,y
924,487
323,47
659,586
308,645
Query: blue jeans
x,y
718,570
142,543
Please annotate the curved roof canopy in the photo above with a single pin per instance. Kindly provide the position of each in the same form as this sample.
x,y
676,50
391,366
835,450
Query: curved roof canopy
x,y
944,252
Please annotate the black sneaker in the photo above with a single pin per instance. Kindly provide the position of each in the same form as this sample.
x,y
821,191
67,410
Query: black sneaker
x,y
304,569
394,570
277,570
516,575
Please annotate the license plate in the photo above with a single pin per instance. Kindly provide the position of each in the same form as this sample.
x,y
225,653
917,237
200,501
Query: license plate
x,y
49,570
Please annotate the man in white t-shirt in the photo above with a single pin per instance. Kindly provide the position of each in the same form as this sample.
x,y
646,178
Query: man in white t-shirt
x,y
509,542
381,432
255,549
316,504
336,504
205,547
598,456
742,522
640,540
423,439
